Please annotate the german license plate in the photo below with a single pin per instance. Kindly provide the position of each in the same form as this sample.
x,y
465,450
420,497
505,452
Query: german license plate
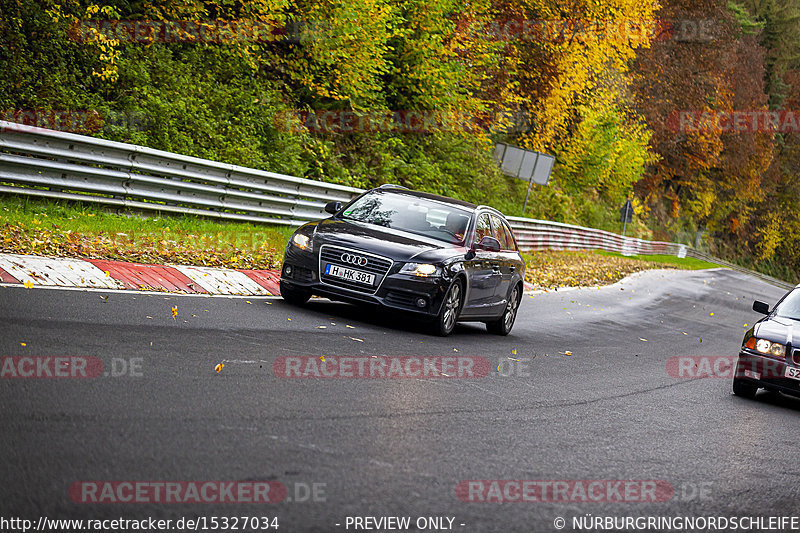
x,y
792,372
351,275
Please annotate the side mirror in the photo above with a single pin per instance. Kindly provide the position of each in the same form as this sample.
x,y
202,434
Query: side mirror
x,y
490,244
333,207
761,307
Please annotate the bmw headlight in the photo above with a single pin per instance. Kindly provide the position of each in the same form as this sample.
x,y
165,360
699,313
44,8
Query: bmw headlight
x,y
302,241
766,347
422,270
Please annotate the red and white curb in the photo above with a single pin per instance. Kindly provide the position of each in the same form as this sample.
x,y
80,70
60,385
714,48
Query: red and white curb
x,y
32,271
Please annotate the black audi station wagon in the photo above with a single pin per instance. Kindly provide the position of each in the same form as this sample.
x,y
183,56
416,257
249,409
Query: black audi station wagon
x,y
436,257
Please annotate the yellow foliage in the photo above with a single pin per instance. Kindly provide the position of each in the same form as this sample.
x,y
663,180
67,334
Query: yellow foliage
x,y
581,44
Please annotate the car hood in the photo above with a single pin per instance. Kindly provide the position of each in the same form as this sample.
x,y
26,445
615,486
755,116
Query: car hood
x,y
395,244
778,329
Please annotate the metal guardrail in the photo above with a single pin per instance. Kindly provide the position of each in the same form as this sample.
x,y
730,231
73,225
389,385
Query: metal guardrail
x,y
541,235
54,164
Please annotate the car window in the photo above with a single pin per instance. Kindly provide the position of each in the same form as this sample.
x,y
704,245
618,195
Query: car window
x,y
512,242
411,213
789,307
483,228
500,233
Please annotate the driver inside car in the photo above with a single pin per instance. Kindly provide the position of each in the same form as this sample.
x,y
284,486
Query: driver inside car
x,y
456,224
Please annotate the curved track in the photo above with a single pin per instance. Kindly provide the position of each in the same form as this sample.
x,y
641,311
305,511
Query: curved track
x,y
395,447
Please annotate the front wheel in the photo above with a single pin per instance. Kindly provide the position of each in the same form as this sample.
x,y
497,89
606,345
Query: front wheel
x,y
503,325
294,296
451,307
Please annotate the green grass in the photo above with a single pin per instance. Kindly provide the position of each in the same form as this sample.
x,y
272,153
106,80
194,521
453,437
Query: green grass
x,y
30,225
73,229
686,263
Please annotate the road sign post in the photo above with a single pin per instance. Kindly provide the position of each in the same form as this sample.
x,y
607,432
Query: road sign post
x,y
626,215
527,165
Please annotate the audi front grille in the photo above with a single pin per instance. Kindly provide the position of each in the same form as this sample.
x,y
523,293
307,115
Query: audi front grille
x,y
356,260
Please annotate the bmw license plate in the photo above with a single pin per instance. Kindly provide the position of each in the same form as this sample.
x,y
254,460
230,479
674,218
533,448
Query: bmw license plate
x,y
792,372
350,274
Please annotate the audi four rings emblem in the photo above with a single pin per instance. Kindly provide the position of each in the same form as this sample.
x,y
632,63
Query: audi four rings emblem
x,y
354,259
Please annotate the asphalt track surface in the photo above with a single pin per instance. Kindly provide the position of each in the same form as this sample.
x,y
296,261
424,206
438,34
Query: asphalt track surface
x,y
395,447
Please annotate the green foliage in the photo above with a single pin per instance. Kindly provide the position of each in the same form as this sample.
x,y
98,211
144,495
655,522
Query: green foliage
x,y
748,24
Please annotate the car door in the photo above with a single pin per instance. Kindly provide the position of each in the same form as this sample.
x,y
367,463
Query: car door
x,y
511,268
483,273
504,262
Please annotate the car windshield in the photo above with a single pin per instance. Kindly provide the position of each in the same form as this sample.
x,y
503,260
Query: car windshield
x,y
789,306
412,214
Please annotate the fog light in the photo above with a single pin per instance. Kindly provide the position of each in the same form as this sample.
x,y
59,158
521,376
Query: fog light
x,y
288,270
421,302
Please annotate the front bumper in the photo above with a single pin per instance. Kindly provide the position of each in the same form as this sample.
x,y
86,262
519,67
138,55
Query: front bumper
x,y
766,372
403,292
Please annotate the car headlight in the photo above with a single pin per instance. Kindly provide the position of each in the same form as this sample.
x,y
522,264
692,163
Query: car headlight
x,y
766,347
423,270
302,241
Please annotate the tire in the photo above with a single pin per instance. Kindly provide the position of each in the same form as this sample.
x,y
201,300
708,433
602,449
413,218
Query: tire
x,y
451,307
744,389
503,325
294,296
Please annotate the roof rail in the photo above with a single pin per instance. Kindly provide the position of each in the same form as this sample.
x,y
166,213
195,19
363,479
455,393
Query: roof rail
x,y
490,208
392,186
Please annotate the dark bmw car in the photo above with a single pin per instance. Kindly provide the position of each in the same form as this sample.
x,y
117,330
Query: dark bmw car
x,y
770,354
410,251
